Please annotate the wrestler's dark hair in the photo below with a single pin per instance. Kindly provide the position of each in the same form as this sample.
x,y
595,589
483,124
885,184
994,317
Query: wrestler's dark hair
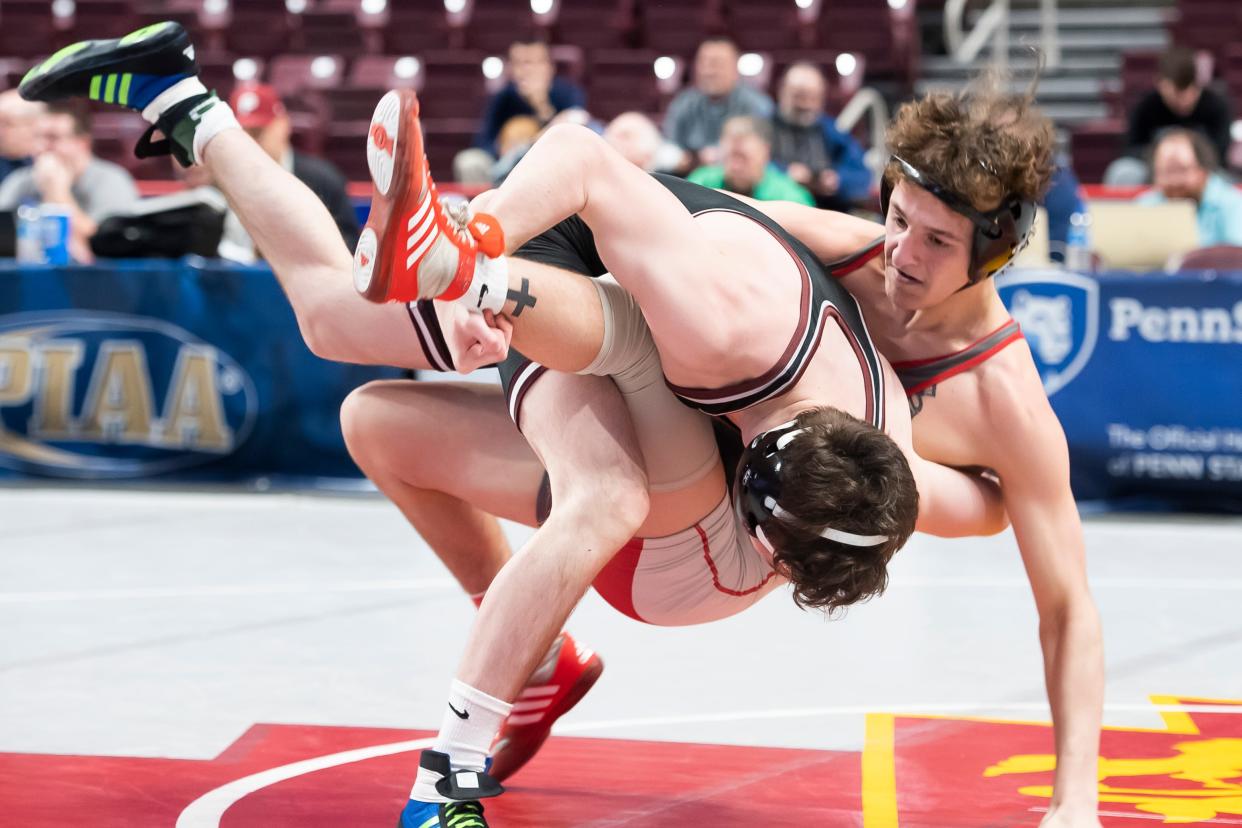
x,y
848,475
1177,66
984,143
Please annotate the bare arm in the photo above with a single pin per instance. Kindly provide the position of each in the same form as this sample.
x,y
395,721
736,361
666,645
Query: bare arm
x,y
300,239
828,234
1035,482
957,504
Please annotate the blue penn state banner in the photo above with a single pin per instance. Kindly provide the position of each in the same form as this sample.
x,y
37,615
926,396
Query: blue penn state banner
x,y
188,371
1145,373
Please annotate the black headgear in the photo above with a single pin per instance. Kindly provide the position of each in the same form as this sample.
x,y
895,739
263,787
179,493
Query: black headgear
x,y
999,234
757,487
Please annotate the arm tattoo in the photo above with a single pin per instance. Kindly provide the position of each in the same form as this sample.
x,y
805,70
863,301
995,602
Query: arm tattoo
x,y
522,298
916,400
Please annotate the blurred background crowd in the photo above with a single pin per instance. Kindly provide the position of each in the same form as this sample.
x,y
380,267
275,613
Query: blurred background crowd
x,y
778,99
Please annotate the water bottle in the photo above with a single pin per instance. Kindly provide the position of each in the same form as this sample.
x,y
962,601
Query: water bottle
x,y
1078,243
29,235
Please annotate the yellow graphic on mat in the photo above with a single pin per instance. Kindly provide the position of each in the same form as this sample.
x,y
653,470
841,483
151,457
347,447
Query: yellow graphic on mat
x,y
1215,765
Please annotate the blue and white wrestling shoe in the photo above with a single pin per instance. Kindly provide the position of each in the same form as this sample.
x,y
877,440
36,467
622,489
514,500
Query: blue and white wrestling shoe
x,y
462,788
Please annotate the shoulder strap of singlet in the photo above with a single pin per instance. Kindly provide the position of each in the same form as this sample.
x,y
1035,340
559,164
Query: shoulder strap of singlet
x,y
920,374
845,266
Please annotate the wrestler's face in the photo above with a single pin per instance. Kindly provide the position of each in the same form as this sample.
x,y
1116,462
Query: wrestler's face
x,y
926,248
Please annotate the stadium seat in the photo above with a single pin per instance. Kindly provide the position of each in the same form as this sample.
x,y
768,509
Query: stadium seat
x,y
415,30
296,73
334,32
595,24
454,86
101,18
677,27
494,24
27,29
262,32
625,80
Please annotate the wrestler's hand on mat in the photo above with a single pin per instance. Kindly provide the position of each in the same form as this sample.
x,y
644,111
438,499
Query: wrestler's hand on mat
x,y
474,339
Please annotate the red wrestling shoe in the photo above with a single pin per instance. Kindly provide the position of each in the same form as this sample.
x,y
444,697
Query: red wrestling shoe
x,y
559,683
410,249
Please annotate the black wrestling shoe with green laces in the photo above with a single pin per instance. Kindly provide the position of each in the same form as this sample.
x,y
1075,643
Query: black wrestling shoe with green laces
x,y
133,71
130,71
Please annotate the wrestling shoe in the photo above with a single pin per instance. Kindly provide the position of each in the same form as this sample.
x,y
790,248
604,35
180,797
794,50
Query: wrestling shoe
x,y
559,683
462,788
411,248
138,71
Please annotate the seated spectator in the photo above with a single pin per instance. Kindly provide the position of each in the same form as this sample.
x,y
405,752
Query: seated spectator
x,y
746,164
533,89
19,131
807,143
262,114
1184,166
67,174
638,139
696,116
1061,201
1178,100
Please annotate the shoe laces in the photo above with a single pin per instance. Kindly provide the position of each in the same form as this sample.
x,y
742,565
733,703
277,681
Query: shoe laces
x,y
467,814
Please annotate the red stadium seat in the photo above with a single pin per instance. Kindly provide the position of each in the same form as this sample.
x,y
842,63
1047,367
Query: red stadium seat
x,y
336,32
296,73
679,26
103,18
625,80
415,30
263,32
27,30
494,24
454,86
595,24
1216,257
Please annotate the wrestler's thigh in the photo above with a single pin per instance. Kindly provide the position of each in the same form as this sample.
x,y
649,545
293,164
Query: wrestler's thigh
x,y
581,429
454,438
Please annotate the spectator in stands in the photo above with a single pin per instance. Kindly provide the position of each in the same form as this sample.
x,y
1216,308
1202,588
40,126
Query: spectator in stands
x,y
262,114
19,131
66,173
533,89
638,139
746,164
807,143
696,116
1180,100
1061,201
1184,166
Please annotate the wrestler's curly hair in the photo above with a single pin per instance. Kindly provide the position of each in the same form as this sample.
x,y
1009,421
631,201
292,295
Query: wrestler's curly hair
x,y
984,142
843,473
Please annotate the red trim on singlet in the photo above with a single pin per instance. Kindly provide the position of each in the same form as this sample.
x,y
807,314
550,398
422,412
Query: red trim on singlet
x,y
961,367
919,363
845,268
711,564
615,582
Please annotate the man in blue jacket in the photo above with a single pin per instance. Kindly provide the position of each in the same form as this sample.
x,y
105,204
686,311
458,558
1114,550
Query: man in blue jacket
x,y
808,144
533,90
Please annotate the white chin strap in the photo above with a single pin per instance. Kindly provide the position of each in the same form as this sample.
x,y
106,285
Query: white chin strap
x,y
838,535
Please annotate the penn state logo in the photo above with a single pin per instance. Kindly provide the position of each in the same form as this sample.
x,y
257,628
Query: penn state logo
x,y
1059,313
102,395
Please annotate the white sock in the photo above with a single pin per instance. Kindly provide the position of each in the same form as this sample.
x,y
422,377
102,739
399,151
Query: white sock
x,y
212,122
490,283
466,741
172,96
